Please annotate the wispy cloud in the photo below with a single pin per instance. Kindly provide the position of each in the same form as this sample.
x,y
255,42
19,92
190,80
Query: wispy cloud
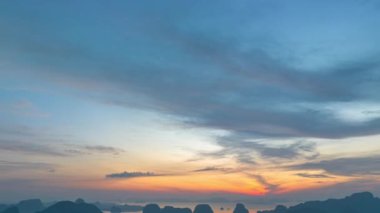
x,y
312,175
29,148
349,166
30,141
8,130
245,151
215,169
126,175
56,150
263,181
92,149
17,165
104,149
23,108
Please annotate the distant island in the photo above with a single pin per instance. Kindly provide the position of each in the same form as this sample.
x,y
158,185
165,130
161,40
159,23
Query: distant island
x,y
363,202
112,207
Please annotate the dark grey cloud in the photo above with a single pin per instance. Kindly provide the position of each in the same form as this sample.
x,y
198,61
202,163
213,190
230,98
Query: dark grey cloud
x,y
16,130
17,165
29,148
372,112
74,149
262,71
31,141
215,169
126,175
350,166
98,149
34,147
245,151
310,175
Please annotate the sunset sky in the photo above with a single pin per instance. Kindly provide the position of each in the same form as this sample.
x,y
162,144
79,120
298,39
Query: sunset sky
x,y
263,101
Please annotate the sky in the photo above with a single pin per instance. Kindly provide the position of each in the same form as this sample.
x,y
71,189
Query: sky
x,y
261,101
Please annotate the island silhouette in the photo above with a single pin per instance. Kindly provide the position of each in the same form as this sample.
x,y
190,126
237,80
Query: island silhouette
x,y
363,202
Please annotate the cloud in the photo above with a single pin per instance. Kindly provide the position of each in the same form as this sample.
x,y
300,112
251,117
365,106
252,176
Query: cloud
x,y
31,141
212,71
215,169
60,150
23,108
268,186
29,148
354,166
103,149
245,151
211,78
27,108
309,175
215,79
127,175
75,149
17,165
8,130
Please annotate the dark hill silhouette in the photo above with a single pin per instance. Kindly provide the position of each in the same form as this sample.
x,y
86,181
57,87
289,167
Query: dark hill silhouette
x,y
280,209
363,202
79,200
30,206
151,208
12,209
71,207
240,208
203,208
3,207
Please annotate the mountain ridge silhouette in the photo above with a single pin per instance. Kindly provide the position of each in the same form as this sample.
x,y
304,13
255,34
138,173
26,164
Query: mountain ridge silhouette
x,y
362,202
71,207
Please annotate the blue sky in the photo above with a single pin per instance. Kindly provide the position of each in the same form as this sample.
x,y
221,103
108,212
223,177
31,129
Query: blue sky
x,y
243,89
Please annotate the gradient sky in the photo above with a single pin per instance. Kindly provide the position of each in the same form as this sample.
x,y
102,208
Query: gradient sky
x,y
263,101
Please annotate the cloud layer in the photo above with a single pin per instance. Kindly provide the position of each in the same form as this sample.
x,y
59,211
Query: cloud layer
x,y
17,165
245,151
215,80
126,175
353,166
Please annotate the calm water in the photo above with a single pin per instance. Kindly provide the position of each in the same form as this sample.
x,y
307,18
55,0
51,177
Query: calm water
x,y
228,207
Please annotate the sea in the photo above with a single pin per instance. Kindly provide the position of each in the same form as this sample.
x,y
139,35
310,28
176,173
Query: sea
x,y
216,207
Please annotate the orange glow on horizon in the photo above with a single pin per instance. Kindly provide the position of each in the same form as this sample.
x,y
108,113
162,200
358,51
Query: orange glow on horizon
x,y
212,182
198,183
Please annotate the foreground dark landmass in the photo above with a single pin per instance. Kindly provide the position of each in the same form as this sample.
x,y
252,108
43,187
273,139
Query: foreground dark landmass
x,y
25,206
363,202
